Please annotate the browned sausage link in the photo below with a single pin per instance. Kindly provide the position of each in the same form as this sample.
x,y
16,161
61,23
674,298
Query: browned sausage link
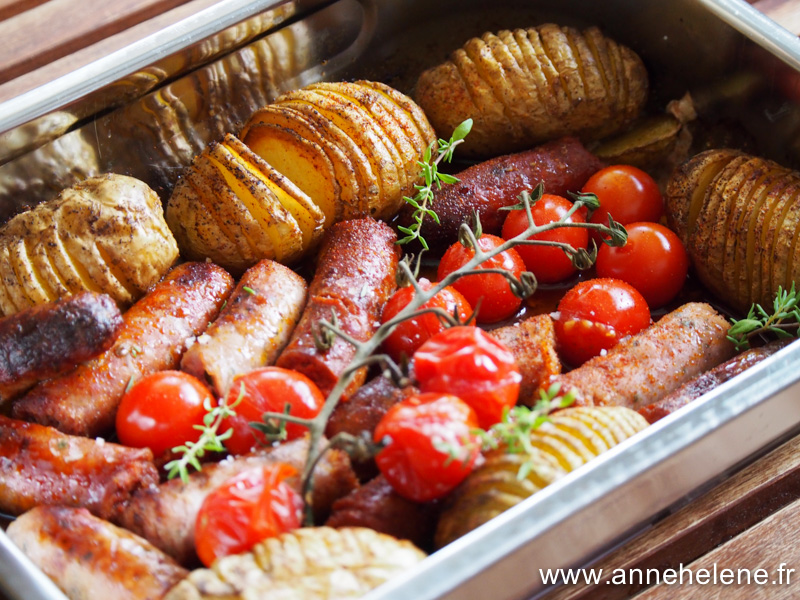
x,y
90,558
252,329
533,344
40,465
46,340
355,276
165,515
153,338
647,366
705,382
376,505
561,166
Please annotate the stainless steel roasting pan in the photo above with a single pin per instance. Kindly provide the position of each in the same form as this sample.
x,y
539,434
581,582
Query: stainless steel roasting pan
x,y
723,51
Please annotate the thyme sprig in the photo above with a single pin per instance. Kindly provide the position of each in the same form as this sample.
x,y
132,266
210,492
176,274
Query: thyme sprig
x,y
783,322
432,178
210,438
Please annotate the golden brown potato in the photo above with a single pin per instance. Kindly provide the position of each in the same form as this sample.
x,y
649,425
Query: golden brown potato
x,y
526,86
571,438
234,208
352,147
106,234
739,218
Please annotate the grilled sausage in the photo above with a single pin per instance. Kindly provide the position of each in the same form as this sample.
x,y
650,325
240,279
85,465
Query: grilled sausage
x,y
165,515
647,366
85,401
41,465
561,166
90,558
46,340
251,329
533,344
355,276
705,382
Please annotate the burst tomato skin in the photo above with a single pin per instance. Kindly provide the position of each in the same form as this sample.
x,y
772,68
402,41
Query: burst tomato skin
x,y
160,411
269,389
431,446
653,261
469,363
594,315
247,509
548,263
491,290
410,335
628,193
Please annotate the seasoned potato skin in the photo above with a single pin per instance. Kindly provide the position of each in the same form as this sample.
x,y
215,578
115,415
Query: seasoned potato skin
x,y
525,86
106,234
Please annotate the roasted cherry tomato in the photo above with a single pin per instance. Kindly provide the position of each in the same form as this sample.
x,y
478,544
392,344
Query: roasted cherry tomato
x,y
595,315
250,507
497,301
470,364
431,446
410,334
269,389
160,411
653,261
628,193
550,264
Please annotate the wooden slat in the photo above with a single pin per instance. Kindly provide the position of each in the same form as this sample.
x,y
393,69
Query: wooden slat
x,y
9,8
59,27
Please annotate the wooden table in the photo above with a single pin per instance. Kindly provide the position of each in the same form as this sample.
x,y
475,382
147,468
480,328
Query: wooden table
x,y
750,521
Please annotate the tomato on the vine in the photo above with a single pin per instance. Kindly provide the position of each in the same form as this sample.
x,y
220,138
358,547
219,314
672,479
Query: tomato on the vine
x,y
628,193
595,315
431,446
160,411
550,264
246,509
269,389
469,363
410,334
490,294
653,261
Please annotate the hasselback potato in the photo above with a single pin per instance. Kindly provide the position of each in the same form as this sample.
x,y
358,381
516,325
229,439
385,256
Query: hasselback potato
x,y
106,234
571,438
739,218
526,86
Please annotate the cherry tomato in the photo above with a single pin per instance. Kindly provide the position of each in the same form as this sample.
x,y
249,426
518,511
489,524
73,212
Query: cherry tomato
x,y
431,447
594,315
497,301
269,389
247,508
548,263
160,411
628,193
470,364
409,335
653,261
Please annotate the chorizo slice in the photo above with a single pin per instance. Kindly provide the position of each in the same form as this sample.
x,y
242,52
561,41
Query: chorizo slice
x,y
645,367
41,465
49,339
561,166
165,514
90,558
356,274
252,328
153,338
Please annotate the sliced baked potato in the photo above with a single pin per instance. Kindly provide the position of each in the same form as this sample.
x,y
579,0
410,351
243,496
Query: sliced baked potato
x,y
568,440
233,207
526,86
106,234
352,147
739,218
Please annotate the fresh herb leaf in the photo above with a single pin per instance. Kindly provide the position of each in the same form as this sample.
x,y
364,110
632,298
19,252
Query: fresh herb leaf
x,y
783,322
